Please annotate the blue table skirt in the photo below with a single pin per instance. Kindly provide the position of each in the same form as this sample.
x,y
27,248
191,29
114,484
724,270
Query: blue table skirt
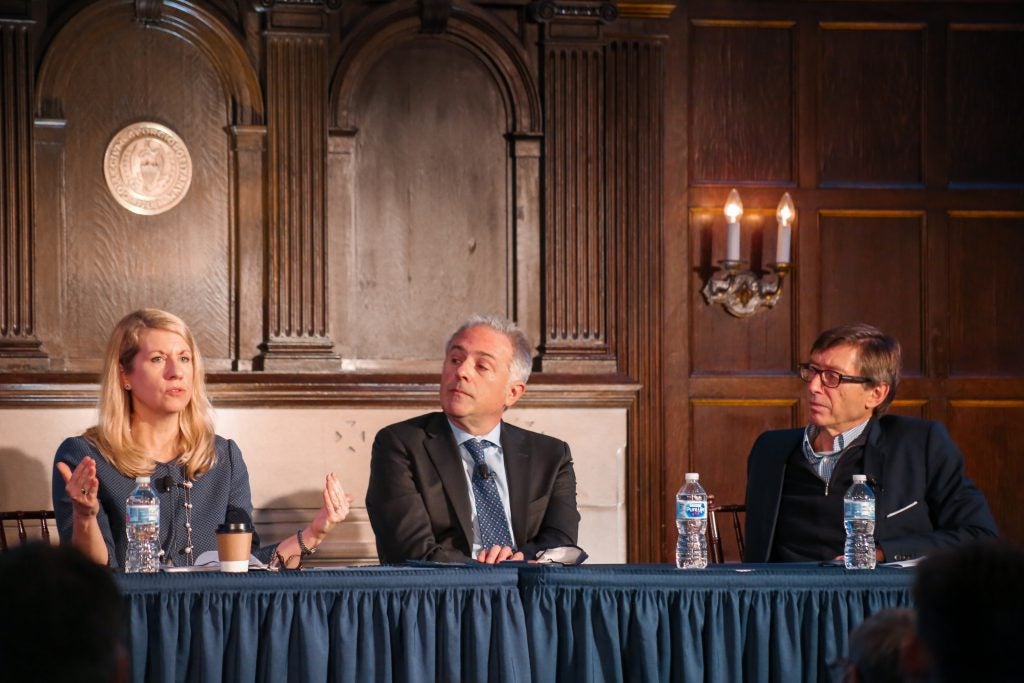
x,y
725,624
379,624
728,623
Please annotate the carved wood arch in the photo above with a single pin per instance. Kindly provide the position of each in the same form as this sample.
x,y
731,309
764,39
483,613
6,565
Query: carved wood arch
x,y
198,26
497,48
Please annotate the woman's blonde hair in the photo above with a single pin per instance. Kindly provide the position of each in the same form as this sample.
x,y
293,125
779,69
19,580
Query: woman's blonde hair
x,y
113,434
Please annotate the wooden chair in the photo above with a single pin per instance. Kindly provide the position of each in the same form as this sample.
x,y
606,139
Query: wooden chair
x,y
21,516
715,554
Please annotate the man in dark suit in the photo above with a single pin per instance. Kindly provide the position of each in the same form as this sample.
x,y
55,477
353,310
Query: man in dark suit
x,y
444,486
796,478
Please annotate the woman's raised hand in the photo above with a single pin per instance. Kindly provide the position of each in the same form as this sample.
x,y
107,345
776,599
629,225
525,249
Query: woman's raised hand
x,y
81,486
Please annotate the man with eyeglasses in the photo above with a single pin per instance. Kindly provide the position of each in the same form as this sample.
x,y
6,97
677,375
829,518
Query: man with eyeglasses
x,y
796,478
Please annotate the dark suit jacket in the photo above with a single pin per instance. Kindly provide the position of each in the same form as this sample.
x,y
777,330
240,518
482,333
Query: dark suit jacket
x,y
923,501
418,497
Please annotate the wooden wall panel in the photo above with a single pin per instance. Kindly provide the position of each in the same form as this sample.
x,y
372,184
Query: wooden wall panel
x,y
116,260
986,96
633,137
431,242
723,433
986,282
871,108
911,408
872,271
990,434
741,94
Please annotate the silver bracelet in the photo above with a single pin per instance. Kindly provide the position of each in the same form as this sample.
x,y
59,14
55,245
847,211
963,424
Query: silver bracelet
x,y
306,552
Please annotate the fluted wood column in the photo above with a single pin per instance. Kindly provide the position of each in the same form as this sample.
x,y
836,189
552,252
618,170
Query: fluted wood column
x,y
19,346
575,241
296,320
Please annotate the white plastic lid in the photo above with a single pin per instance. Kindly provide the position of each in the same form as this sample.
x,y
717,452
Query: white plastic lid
x,y
860,477
692,476
141,480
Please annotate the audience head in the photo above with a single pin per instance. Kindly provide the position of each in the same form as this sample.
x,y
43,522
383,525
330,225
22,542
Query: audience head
x,y
62,617
879,356
970,614
487,363
875,647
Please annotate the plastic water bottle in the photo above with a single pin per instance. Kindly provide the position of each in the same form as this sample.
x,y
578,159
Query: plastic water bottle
x,y
692,523
859,518
142,524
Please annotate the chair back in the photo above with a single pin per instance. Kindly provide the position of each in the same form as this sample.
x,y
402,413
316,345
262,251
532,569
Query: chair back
x,y
21,516
715,553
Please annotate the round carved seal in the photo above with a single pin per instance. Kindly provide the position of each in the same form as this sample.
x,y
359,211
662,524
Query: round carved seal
x,y
148,168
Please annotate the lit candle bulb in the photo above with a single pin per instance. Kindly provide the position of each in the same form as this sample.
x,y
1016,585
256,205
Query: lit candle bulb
x,y
733,211
785,215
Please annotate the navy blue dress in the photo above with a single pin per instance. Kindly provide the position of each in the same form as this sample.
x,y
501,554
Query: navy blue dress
x,y
225,485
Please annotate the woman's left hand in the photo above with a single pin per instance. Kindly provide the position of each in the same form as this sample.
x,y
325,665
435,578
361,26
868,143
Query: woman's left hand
x,y
335,508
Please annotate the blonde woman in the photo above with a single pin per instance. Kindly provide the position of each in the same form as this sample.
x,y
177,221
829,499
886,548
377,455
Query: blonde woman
x,y
154,419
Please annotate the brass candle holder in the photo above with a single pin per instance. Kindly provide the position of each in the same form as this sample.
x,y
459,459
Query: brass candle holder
x,y
741,291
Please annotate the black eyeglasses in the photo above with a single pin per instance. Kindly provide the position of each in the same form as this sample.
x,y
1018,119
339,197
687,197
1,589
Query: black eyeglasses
x,y
829,378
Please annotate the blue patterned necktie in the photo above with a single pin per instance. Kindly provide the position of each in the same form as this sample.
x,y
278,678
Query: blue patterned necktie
x,y
490,514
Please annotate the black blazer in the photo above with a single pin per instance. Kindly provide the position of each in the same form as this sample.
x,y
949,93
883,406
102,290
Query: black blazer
x,y
418,498
923,500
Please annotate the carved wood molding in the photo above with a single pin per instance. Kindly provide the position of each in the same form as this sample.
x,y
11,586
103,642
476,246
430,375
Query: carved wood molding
x,y
251,390
646,10
220,43
466,24
548,11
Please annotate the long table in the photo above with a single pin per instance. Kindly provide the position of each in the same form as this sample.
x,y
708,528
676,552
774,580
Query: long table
x,y
510,623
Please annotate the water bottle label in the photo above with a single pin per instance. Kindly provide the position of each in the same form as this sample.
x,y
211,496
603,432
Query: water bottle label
x,y
691,509
859,509
142,514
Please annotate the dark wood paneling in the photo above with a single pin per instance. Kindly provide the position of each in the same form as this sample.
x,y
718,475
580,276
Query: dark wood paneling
x,y
431,242
986,282
871,271
723,432
990,434
986,96
117,261
741,98
634,272
870,117
910,408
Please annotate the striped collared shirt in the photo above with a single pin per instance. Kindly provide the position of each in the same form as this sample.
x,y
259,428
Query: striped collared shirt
x,y
824,462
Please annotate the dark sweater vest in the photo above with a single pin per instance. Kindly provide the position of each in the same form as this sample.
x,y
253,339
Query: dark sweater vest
x,y
810,524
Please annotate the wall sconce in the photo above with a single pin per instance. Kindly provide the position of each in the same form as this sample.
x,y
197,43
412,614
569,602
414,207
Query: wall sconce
x,y
741,291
